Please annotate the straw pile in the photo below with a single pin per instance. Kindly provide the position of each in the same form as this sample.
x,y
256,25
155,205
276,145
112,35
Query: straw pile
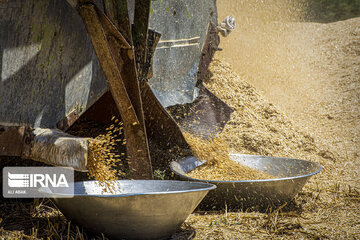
x,y
257,126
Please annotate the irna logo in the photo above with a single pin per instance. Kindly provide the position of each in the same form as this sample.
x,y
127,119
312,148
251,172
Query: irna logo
x,y
37,182
16,180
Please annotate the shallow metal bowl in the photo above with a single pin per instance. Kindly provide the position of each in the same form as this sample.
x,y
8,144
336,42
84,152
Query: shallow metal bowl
x,y
140,209
290,176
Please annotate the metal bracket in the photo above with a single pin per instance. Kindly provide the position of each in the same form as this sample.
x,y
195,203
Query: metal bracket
x,y
210,47
69,120
160,126
109,46
226,26
11,140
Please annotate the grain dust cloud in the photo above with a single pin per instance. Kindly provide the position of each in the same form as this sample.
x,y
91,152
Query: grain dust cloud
x,y
308,69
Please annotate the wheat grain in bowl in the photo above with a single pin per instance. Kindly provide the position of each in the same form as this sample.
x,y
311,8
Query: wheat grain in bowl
x,y
218,165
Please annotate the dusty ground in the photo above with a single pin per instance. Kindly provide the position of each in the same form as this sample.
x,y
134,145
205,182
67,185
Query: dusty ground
x,y
305,105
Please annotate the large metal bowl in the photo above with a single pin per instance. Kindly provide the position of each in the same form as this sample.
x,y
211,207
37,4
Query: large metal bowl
x,y
290,177
141,209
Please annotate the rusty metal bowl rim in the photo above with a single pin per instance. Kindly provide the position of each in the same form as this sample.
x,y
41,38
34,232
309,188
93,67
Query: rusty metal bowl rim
x,y
202,187
319,168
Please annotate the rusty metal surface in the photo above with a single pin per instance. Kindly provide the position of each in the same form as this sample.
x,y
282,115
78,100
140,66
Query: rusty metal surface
x,y
159,123
160,127
11,140
117,11
183,27
48,67
103,110
67,121
140,36
205,117
46,44
124,57
153,40
208,51
109,66
104,45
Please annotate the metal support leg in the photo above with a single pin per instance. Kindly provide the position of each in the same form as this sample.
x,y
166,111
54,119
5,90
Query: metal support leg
x,y
108,43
